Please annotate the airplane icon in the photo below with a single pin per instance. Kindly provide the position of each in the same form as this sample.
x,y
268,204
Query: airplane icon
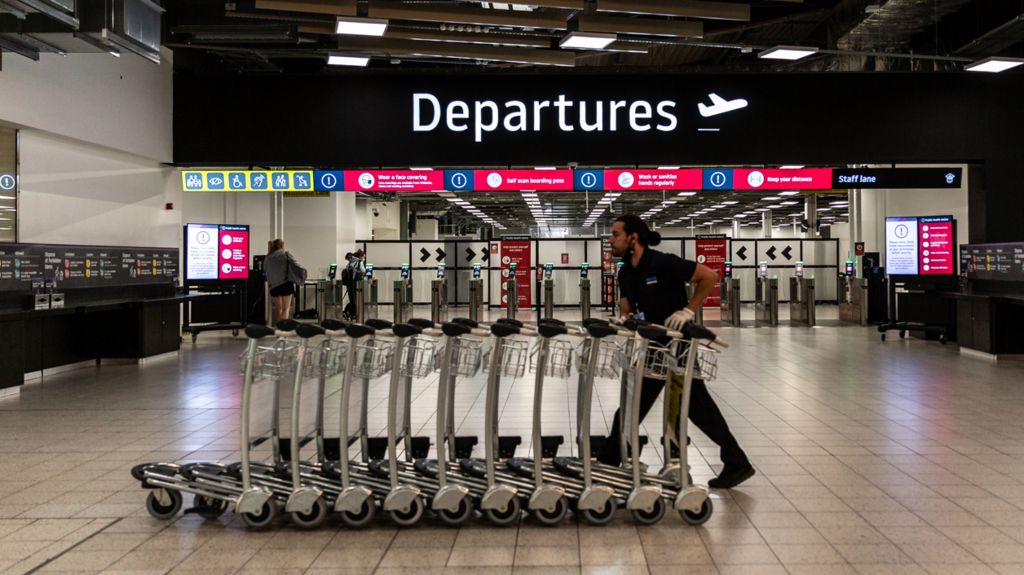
x,y
720,105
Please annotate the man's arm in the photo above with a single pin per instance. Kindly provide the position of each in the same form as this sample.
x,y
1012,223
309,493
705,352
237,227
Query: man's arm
x,y
624,308
704,280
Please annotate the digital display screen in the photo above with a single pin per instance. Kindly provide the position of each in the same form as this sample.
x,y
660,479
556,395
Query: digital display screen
x,y
405,271
440,272
369,272
920,245
584,268
216,252
476,271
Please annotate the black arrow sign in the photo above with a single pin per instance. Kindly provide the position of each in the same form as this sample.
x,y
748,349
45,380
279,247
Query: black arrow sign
x,y
771,253
424,255
470,254
788,252
440,254
742,252
485,254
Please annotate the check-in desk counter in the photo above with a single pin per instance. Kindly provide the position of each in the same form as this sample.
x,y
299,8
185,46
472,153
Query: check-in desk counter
x,y
989,322
801,300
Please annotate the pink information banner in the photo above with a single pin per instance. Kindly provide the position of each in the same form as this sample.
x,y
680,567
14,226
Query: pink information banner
x,y
935,244
394,180
779,179
653,179
498,180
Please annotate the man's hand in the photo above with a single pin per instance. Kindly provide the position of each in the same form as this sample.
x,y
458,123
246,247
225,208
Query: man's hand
x,y
678,319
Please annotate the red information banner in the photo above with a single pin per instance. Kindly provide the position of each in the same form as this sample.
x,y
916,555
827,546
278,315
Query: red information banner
x,y
233,256
498,180
653,179
779,179
516,252
394,180
713,253
935,245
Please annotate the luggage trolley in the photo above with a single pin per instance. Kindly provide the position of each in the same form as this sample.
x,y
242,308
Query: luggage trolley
x,y
255,489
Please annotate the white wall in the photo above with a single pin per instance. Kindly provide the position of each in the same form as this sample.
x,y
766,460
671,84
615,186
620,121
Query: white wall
x,y
426,229
386,225
120,103
73,192
362,220
95,132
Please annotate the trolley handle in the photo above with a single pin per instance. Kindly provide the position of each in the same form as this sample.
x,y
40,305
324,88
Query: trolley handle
x,y
504,329
690,331
457,329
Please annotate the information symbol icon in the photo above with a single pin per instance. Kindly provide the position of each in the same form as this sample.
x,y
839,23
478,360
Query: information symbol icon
x,y
588,180
717,179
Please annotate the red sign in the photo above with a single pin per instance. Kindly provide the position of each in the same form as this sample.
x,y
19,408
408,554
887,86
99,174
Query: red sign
x,y
858,248
233,252
484,180
394,180
565,259
653,179
519,253
935,245
713,254
778,179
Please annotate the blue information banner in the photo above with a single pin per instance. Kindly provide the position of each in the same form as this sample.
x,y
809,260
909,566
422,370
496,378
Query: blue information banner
x,y
458,180
717,179
328,180
587,180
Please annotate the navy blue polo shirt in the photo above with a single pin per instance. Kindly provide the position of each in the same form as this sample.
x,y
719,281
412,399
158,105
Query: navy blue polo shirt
x,y
657,286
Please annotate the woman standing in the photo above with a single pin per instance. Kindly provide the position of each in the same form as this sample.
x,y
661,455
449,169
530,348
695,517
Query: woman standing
x,y
283,272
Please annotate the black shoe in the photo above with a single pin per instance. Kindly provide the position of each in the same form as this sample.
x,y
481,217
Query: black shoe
x,y
731,477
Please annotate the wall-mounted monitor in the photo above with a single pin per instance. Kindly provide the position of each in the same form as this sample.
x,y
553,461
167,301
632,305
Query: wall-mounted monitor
x,y
920,245
216,252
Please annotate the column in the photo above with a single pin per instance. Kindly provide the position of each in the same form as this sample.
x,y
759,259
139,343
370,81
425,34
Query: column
x,y
811,215
766,224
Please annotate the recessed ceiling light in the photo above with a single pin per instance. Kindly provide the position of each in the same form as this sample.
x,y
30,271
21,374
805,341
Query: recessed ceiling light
x,y
730,202
994,64
790,167
668,167
770,198
789,193
360,26
343,60
587,40
686,194
787,53
790,203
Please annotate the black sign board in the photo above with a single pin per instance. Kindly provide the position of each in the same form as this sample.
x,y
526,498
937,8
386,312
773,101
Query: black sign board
x,y
1004,262
896,178
24,266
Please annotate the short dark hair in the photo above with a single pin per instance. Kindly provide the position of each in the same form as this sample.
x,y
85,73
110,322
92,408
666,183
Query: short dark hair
x,y
632,224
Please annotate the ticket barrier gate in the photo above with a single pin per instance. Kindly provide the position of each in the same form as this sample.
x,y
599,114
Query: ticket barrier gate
x,y
548,287
699,316
476,295
730,295
766,301
366,300
403,297
853,302
801,300
439,297
584,291
511,297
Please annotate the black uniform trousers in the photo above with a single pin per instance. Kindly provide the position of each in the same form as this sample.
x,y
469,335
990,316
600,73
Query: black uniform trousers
x,y
704,413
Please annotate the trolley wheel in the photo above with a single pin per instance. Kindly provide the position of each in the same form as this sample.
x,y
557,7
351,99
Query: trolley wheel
x,y
599,516
209,507
942,338
361,517
195,337
701,516
264,518
411,515
902,334
234,332
459,516
883,337
650,517
505,516
554,516
161,511
314,518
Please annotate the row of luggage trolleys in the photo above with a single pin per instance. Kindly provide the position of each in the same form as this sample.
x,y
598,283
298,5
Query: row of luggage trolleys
x,y
358,476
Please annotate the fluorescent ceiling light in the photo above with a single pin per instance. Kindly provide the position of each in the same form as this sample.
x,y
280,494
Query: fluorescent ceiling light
x,y
770,198
789,193
787,53
790,167
790,203
587,40
7,198
824,209
760,209
994,64
668,167
545,168
360,26
730,202
421,169
342,60
668,202
686,194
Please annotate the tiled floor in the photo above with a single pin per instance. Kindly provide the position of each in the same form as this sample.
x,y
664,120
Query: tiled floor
x,y
898,457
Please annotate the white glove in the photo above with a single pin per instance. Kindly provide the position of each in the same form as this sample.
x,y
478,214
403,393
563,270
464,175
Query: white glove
x,y
677,320
620,320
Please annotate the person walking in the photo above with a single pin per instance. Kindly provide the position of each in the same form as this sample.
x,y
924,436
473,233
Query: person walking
x,y
652,288
282,272
352,273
